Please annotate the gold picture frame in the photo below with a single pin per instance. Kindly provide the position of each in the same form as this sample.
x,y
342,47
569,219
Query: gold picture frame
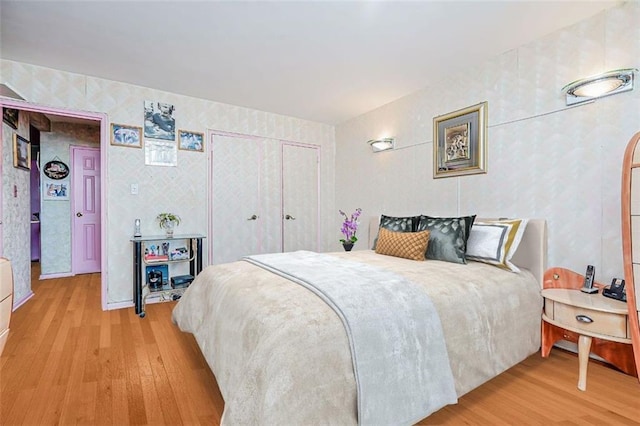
x,y
10,116
21,152
460,142
124,135
190,141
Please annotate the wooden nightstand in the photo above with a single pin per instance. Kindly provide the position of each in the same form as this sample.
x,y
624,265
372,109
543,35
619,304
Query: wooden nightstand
x,y
598,324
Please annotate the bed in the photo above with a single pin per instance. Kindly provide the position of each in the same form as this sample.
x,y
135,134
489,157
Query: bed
x,y
281,354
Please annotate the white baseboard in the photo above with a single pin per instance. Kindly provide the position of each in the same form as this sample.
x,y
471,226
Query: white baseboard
x,y
119,305
52,276
572,347
22,301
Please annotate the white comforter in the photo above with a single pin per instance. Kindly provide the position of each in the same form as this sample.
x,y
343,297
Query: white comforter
x,y
281,355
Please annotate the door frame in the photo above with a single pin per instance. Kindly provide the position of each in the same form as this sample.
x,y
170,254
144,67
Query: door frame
x,y
104,144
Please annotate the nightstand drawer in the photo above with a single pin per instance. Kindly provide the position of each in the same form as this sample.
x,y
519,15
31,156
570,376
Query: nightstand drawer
x,y
607,323
5,313
6,278
4,335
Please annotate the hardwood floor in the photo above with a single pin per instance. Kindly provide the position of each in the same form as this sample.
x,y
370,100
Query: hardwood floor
x,y
68,362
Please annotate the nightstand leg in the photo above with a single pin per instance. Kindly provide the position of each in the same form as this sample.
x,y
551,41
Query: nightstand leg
x,y
584,348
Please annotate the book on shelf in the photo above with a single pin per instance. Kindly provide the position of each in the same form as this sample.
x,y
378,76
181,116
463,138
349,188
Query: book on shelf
x,y
156,257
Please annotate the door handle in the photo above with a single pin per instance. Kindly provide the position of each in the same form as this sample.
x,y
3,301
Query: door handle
x,y
79,214
289,217
253,217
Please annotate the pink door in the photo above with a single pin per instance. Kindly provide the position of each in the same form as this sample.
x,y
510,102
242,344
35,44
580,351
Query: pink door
x,y
85,230
1,186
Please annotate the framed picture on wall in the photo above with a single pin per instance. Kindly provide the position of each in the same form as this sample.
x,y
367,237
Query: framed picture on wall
x,y
459,142
55,190
55,169
123,135
159,122
10,116
21,152
190,141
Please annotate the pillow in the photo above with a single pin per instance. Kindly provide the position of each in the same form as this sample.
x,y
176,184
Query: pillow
x,y
494,242
397,224
408,245
468,222
447,239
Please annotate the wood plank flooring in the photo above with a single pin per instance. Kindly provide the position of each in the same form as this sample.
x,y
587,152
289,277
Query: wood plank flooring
x,y
67,362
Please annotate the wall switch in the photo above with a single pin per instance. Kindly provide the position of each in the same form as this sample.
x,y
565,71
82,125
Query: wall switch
x,y
134,189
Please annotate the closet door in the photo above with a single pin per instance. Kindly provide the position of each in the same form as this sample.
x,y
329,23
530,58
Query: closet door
x,y
300,197
237,216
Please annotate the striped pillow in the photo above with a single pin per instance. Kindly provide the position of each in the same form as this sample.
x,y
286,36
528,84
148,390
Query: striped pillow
x,y
408,245
495,242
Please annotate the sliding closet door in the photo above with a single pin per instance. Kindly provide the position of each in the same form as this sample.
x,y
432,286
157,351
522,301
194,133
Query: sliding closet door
x,y
237,216
300,197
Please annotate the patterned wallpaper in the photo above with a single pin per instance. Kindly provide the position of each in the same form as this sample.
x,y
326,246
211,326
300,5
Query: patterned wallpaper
x,y
545,160
16,211
182,189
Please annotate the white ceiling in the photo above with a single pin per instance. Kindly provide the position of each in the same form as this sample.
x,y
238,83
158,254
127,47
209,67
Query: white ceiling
x,y
322,61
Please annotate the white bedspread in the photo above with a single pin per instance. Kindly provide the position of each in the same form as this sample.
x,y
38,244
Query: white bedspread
x,y
281,355
399,355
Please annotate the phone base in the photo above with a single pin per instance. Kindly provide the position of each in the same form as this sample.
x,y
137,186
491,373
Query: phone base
x,y
606,292
591,290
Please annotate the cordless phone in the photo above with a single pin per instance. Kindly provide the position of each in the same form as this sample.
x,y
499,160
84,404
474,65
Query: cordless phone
x,y
616,290
587,286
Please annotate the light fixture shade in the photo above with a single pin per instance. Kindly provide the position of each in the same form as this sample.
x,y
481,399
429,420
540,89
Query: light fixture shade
x,y
605,84
378,145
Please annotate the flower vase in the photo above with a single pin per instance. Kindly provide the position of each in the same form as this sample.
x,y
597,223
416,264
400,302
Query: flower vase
x,y
347,246
168,229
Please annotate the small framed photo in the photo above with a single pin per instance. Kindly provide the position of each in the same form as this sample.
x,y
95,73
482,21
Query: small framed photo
x,y
55,190
21,152
56,170
459,142
190,141
123,135
10,116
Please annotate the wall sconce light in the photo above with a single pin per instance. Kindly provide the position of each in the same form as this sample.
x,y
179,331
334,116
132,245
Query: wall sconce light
x,y
598,86
378,145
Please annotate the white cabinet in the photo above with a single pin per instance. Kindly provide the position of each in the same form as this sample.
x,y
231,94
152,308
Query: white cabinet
x,y
6,300
264,197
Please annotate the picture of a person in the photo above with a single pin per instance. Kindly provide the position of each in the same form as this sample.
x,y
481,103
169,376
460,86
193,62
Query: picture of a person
x,y
159,122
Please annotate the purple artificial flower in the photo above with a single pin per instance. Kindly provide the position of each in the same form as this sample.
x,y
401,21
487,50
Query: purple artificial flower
x,y
350,226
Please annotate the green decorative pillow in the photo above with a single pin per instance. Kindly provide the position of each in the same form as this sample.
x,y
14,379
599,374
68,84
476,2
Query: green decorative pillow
x,y
397,224
447,239
408,245
468,221
494,242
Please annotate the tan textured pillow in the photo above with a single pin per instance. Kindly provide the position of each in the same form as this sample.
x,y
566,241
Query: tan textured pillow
x,y
409,245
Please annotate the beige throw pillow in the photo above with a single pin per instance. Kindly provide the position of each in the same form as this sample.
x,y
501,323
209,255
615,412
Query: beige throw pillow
x,y
408,245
